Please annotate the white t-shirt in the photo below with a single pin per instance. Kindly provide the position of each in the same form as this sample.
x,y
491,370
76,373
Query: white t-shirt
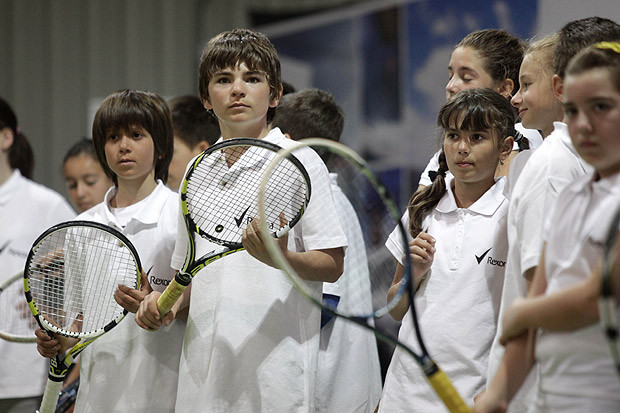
x,y
252,340
548,170
457,305
26,210
130,369
576,365
533,136
349,371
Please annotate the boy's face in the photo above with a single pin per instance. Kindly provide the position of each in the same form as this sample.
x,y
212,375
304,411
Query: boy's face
x,y
131,154
538,107
240,98
592,113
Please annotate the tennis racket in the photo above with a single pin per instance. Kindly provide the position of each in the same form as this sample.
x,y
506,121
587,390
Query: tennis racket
x,y
16,323
370,273
610,290
70,277
219,199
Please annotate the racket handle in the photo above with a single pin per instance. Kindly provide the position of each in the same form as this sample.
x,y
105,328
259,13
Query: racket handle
x,y
170,296
50,397
447,393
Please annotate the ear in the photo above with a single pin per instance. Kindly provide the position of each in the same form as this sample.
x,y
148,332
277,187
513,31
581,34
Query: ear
x,y
506,88
288,135
274,102
6,138
506,148
558,87
207,104
201,146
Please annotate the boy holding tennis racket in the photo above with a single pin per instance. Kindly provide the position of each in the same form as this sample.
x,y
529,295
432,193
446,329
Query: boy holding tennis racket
x,y
576,371
252,341
132,135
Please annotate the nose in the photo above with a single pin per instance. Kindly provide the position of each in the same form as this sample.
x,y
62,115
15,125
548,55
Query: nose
x,y
517,99
463,147
582,123
80,190
124,143
237,88
452,87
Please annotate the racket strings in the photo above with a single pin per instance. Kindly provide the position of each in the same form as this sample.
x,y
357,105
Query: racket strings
x,y
73,275
222,200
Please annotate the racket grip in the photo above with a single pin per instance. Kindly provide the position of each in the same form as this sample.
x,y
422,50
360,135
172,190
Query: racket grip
x,y
50,397
170,296
447,393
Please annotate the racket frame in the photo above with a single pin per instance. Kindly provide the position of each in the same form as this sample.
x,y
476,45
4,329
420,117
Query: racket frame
x,y
436,377
15,338
608,306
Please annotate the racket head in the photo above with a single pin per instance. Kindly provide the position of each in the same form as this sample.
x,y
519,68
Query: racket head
x,y
610,289
70,276
16,322
371,215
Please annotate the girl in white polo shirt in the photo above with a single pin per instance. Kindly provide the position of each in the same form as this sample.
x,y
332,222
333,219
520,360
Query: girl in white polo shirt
x,y
458,247
132,134
576,371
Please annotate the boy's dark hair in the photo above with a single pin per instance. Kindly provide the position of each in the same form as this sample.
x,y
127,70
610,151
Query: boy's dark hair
x,y
20,153
83,146
578,34
603,55
471,110
191,122
309,113
501,52
126,108
230,49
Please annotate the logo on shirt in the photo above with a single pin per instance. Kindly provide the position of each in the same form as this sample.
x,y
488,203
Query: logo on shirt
x,y
239,220
490,260
156,281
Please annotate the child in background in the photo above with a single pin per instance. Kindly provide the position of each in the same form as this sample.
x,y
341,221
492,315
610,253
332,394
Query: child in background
x,y
132,134
26,210
458,249
576,371
349,371
195,129
85,179
252,341
550,168
487,58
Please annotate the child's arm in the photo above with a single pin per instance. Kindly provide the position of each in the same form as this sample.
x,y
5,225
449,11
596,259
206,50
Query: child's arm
x,y
148,316
422,254
129,298
314,265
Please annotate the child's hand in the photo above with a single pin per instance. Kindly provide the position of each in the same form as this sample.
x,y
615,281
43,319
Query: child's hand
x,y
49,347
512,326
129,298
254,244
422,254
148,316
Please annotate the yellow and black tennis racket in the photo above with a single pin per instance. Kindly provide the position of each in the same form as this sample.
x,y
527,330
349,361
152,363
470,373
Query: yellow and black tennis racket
x,y
70,277
370,267
610,290
16,323
219,198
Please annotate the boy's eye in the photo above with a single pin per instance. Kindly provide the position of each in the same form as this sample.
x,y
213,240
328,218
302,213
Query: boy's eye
x,y
451,135
477,137
254,79
600,107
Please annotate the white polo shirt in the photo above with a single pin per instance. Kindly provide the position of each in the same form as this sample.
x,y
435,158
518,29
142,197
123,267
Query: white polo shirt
x,y
577,364
548,170
349,370
533,136
26,210
252,341
457,305
130,369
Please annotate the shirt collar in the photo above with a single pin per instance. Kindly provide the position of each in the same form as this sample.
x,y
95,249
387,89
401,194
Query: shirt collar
x,y
564,136
487,204
148,214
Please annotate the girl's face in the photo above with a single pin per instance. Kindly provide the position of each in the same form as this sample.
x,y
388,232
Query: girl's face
x,y
472,156
86,181
466,71
538,107
131,154
592,113
240,98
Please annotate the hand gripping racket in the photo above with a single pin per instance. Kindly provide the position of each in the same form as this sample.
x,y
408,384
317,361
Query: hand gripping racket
x,y
219,198
70,277
369,272
16,323
610,290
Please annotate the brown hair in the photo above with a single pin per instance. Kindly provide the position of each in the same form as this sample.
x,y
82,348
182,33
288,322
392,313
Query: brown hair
x,y
230,49
604,55
20,153
126,108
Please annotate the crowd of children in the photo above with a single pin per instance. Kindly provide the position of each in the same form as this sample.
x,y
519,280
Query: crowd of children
x,y
505,233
